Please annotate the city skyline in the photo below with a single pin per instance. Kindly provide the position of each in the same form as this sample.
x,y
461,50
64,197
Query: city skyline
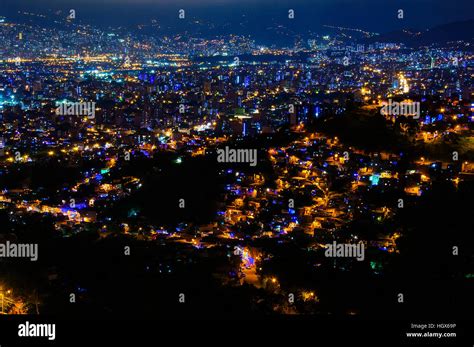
x,y
232,160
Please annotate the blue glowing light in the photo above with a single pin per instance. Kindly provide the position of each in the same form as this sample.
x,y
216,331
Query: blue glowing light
x,y
374,179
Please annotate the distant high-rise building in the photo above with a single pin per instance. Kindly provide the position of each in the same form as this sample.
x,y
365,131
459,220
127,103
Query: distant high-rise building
x,y
37,86
2,146
207,87
395,83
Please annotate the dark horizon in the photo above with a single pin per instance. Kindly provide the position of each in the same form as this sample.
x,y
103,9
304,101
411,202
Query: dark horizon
x,y
371,15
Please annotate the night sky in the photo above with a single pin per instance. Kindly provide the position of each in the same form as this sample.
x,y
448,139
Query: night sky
x,y
373,15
